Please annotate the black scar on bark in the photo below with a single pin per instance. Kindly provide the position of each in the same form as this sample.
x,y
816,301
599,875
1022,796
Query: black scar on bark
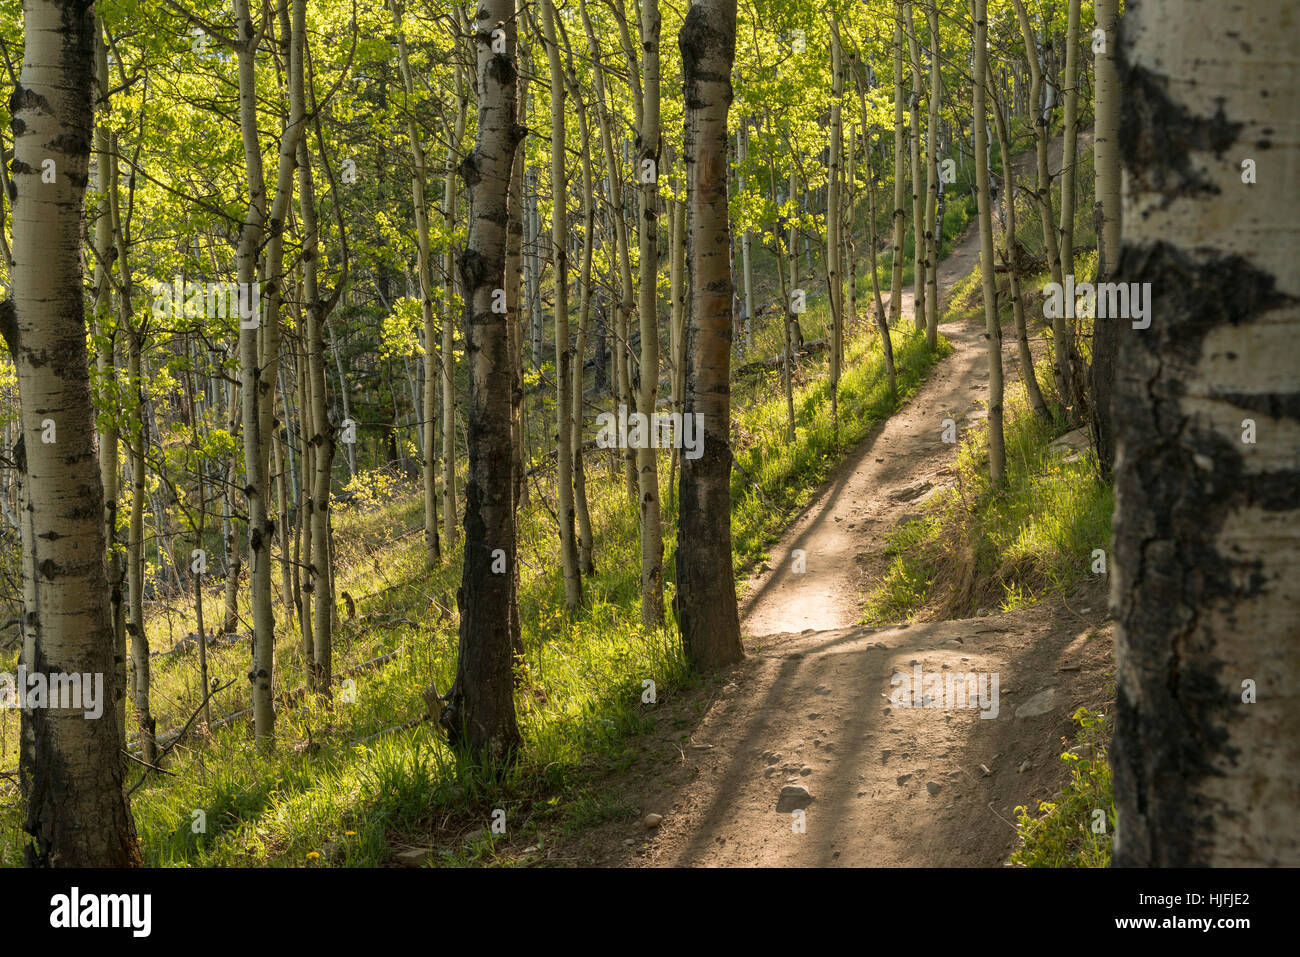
x,y
53,778
72,144
693,40
23,98
468,170
473,268
1156,134
501,69
9,327
1166,538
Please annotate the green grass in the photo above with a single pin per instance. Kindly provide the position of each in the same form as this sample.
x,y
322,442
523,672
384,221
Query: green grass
x,y
974,549
1074,831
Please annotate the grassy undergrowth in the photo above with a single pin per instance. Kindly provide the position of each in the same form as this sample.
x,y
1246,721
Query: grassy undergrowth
x,y
1074,831
973,550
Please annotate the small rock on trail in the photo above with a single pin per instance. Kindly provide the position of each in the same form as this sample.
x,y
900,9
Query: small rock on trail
x,y
793,797
1040,703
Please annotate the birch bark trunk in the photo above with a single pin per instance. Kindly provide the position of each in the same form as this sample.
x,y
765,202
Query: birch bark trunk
x,y
70,770
1207,502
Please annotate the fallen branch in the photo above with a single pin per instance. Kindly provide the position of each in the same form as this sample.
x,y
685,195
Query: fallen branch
x,y
151,767
175,741
778,361
401,727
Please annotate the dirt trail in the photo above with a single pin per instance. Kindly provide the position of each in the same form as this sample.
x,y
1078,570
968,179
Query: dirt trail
x,y
900,463
810,707
904,457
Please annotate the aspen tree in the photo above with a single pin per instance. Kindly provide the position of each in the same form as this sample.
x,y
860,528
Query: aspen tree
x,y
138,678
514,306
1042,194
586,560
834,265
918,201
778,242
479,713
1207,521
563,371
932,239
1011,258
652,545
429,399
449,497
320,571
993,328
706,590
70,771
873,241
746,239
256,374
900,174
1107,216
1070,136
622,262
106,367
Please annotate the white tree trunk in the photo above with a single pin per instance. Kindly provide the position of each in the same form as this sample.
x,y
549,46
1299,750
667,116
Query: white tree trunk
x,y
992,325
563,356
900,173
1105,154
70,768
652,543
1207,496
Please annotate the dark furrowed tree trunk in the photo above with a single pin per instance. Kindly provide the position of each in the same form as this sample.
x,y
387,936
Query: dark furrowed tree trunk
x,y
706,589
480,713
